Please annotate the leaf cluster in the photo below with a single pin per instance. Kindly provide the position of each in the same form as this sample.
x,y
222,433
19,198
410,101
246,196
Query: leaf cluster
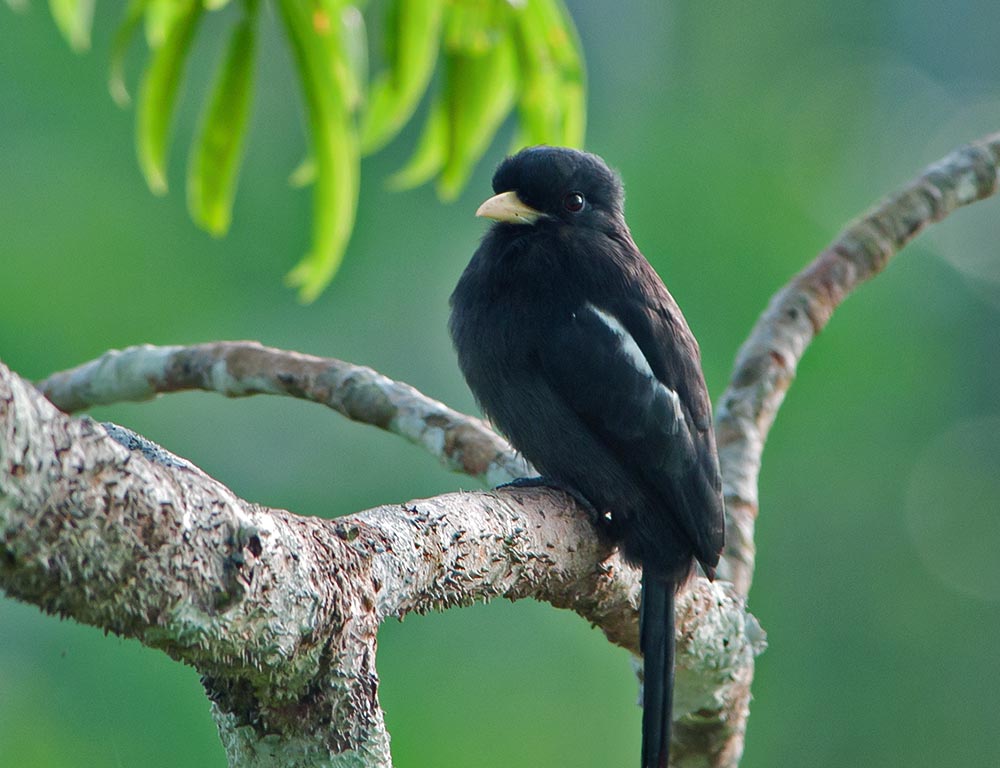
x,y
475,61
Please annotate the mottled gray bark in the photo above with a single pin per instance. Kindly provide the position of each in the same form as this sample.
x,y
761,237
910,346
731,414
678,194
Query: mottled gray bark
x,y
279,612
243,368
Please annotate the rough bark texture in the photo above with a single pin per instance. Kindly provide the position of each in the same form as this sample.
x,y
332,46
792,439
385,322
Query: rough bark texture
x,y
242,368
766,363
279,612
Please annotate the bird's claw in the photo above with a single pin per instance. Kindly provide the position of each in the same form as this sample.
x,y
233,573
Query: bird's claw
x,y
545,482
602,520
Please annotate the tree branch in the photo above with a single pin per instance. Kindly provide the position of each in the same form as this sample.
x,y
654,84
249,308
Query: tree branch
x,y
280,613
243,368
766,363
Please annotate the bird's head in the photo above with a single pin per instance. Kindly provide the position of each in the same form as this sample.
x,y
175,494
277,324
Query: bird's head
x,y
545,185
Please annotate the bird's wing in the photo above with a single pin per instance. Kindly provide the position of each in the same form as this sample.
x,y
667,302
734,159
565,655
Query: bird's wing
x,y
597,367
661,332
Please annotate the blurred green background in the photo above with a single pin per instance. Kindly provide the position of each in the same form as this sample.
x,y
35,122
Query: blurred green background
x,y
748,134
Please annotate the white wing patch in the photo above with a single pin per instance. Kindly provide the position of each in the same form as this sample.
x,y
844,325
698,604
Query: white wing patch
x,y
639,361
629,347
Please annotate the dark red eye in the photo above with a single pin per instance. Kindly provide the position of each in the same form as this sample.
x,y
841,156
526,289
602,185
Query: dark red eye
x,y
574,202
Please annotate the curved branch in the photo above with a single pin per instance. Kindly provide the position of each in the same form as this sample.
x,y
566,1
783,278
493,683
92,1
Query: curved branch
x,y
280,613
243,368
765,364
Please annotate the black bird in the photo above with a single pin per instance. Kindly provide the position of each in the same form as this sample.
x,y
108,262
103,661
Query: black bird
x,y
575,349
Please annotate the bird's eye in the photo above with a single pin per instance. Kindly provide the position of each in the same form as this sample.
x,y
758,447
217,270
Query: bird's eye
x,y
574,202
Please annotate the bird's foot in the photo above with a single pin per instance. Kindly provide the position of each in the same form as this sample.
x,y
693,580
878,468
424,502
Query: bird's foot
x,y
531,482
545,482
602,520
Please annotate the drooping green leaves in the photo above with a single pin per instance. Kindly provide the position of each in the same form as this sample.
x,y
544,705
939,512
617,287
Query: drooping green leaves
x,y
480,86
218,149
321,57
158,94
552,99
431,153
480,60
495,54
127,27
413,32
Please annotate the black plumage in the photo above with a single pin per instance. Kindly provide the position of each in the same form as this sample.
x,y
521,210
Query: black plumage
x,y
575,349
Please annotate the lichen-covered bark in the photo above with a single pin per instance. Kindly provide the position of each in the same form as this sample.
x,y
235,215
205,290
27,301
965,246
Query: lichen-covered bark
x,y
243,368
262,602
279,612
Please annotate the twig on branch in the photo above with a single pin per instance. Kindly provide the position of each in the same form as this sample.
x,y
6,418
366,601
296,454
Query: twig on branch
x,y
279,612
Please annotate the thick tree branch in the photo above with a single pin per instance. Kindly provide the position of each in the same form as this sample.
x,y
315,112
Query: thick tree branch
x,y
278,612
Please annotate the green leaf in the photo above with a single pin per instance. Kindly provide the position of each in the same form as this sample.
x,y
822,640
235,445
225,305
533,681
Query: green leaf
x,y
495,53
333,139
564,45
304,173
161,15
480,89
539,109
217,151
158,95
74,19
341,32
126,30
355,41
431,153
413,31
472,26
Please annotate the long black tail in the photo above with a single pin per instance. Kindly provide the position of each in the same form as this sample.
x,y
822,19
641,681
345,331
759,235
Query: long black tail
x,y
656,641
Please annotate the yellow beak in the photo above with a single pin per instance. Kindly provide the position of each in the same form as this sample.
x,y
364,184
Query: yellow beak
x,y
507,206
